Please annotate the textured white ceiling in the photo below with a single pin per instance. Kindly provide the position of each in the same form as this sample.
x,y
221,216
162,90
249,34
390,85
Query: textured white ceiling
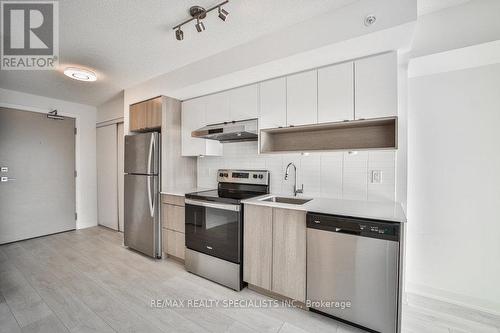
x,y
429,6
128,41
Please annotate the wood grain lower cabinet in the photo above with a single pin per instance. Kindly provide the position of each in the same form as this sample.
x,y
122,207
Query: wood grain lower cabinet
x,y
173,218
173,225
175,245
274,250
289,253
258,246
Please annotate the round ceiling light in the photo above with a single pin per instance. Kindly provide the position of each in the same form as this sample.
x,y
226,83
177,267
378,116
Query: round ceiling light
x,y
80,74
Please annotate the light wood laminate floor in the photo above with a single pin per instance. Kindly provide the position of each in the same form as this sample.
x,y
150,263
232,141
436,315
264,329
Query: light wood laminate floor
x,y
86,281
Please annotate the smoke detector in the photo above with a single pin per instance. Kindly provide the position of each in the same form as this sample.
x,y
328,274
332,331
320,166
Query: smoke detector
x,y
370,20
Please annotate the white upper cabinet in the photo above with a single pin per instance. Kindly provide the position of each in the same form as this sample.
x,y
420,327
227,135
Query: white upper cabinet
x,y
193,116
273,103
244,102
302,98
376,86
336,93
217,108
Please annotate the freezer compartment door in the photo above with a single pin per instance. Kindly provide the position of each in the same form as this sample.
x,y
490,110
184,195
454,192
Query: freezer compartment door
x,y
141,214
142,152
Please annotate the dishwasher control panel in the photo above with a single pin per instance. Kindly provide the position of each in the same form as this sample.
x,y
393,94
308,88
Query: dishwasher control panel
x,y
354,226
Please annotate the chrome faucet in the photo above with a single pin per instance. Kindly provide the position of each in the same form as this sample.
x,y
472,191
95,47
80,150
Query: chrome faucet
x,y
295,189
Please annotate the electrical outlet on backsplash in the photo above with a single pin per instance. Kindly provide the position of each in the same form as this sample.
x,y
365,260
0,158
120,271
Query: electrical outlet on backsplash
x,y
338,175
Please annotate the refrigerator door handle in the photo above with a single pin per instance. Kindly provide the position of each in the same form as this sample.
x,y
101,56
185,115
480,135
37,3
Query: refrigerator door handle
x,y
150,199
150,156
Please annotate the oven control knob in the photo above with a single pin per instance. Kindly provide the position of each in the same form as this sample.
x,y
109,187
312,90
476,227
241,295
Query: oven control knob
x,y
225,175
254,176
261,176
221,174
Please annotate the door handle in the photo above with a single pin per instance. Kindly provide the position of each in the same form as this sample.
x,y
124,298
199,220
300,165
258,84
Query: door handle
x,y
150,201
150,156
234,208
7,179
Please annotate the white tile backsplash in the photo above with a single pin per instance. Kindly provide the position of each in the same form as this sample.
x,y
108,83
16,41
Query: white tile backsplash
x,y
338,175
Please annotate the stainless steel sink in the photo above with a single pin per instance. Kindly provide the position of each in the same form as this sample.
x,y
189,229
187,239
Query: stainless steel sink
x,y
292,201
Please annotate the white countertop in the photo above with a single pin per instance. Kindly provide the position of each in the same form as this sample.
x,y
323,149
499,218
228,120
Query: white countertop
x,y
386,211
181,191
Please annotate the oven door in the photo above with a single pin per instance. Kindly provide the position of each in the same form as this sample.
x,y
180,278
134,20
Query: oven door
x,y
214,228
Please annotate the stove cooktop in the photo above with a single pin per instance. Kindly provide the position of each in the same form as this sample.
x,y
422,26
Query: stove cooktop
x,y
227,196
235,185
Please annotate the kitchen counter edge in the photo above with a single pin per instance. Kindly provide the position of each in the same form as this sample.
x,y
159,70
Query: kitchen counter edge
x,y
384,211
181,191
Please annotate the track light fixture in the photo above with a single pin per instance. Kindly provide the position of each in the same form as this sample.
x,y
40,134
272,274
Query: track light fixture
x,y
198,13
223,13
179,34
199,25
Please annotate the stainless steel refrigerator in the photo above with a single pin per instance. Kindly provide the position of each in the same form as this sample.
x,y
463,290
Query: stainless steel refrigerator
x,y
142,223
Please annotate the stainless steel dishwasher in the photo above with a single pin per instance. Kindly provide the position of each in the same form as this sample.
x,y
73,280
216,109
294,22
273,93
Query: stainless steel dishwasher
x,y
353,271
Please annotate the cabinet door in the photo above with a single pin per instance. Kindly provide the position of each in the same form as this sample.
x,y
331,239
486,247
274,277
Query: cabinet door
x,y
180,245
153,113
137,117
336,93
273,103
174,218
193,117
244,102
257,245
217,108
170,245
289,253
175,243
302,98
376,87
164,240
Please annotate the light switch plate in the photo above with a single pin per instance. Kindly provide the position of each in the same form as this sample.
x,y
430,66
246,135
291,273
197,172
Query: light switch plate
x,y
376,176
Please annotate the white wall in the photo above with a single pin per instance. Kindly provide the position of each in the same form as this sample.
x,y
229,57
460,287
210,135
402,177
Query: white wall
x,y
474,22
86,182
111,110
454,187
334,175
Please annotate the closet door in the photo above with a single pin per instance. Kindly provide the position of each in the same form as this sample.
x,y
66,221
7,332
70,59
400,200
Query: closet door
x,y
120,139
107,178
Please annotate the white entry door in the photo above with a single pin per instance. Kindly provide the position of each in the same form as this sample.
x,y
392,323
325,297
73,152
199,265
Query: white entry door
x,y
37,187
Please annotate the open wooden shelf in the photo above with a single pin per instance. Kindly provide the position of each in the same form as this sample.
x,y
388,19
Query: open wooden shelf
x,y
380,133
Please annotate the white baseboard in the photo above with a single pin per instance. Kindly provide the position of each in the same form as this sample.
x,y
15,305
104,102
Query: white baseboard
x,y
465,302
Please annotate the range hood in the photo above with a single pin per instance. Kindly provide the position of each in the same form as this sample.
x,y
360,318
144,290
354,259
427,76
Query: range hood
x,y
235,131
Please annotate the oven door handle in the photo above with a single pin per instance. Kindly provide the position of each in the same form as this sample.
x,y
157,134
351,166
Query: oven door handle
x,y
234,208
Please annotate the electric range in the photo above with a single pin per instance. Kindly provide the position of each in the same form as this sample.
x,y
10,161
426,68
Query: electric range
x,y
214,225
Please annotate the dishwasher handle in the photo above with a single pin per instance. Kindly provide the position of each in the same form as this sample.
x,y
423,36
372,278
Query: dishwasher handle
x,y
354,226
316,223
347,231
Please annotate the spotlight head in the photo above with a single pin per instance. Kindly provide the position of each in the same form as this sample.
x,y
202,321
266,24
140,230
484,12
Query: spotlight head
x,y
223,13
179,34
199,25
